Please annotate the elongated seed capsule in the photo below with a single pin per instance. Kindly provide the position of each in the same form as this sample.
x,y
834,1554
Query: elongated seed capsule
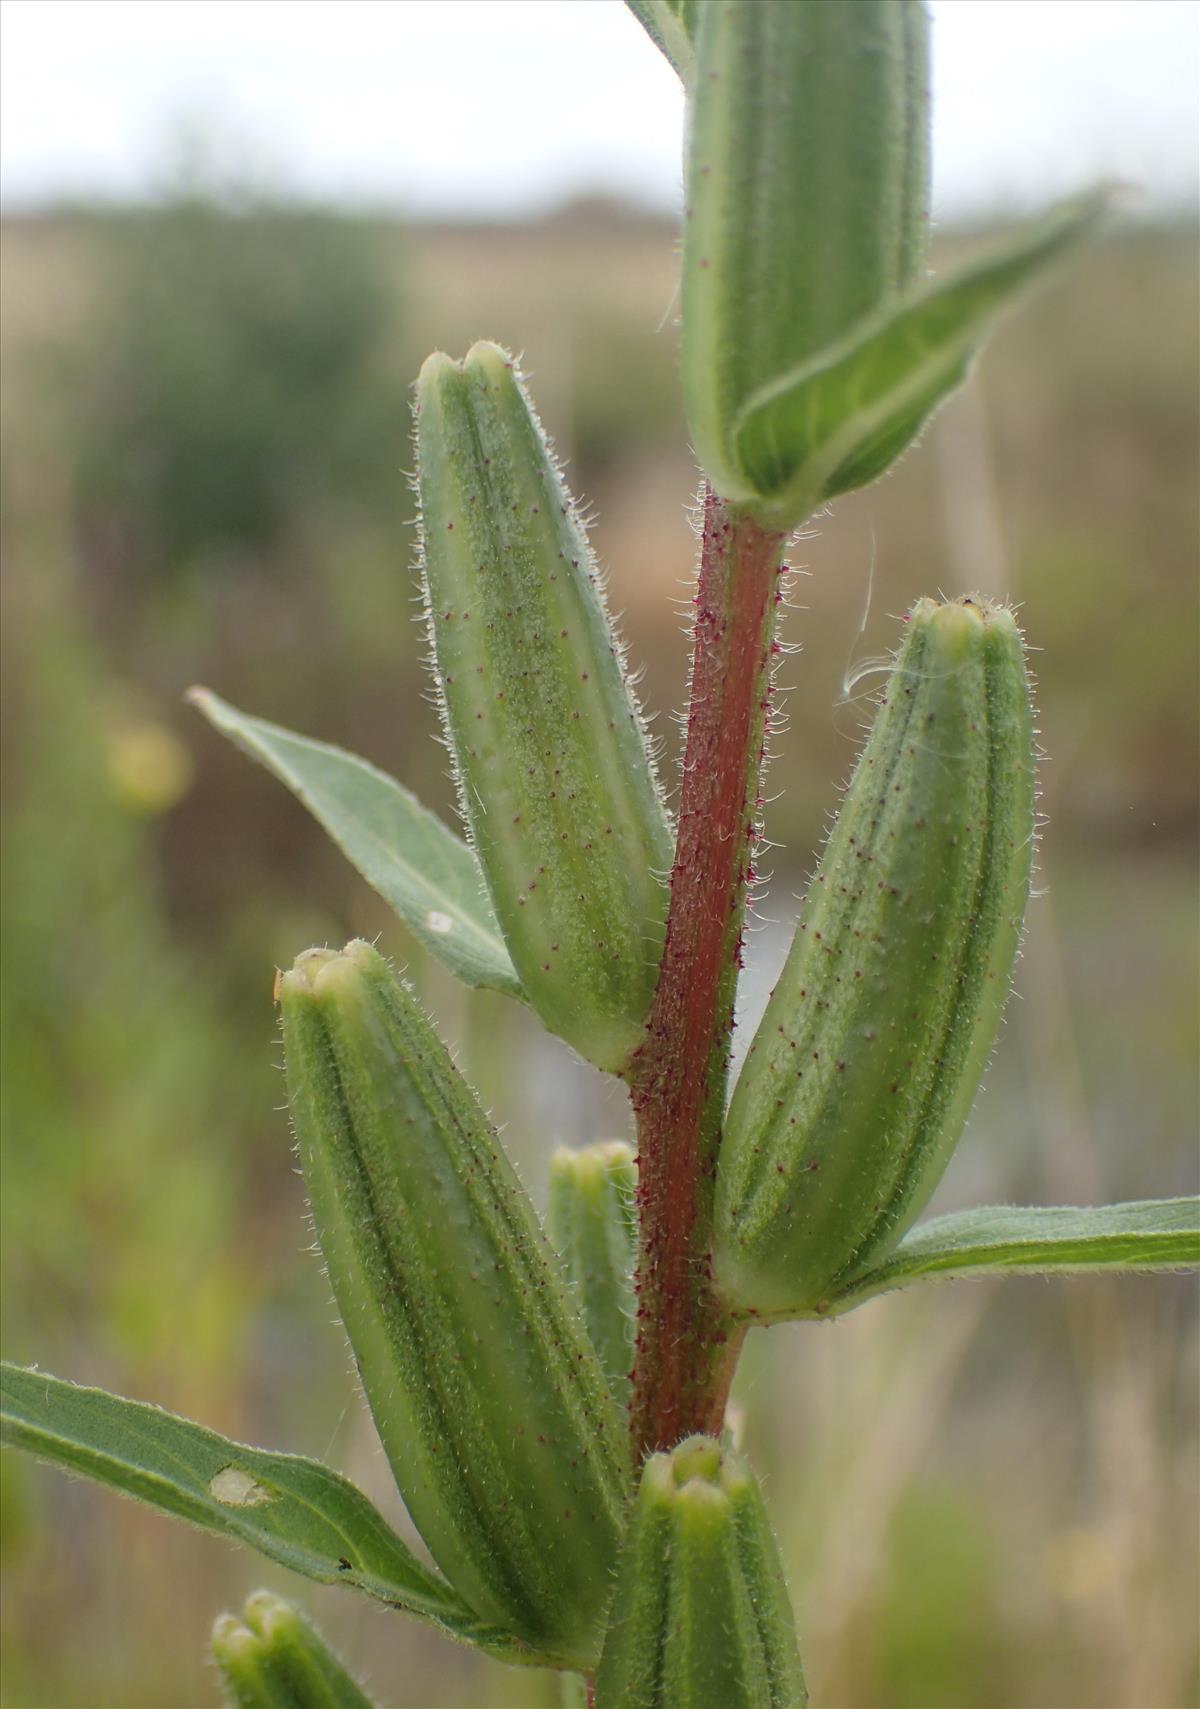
x,y
863,1070
590,1220
273,1659
554,774
488,1397
701,1618
807,168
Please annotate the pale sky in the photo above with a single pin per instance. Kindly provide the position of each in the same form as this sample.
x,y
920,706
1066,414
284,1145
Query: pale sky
x,y
471,106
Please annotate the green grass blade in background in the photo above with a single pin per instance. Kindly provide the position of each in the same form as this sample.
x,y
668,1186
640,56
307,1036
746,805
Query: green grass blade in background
x,y
1146,1234
427,874
295,1511
839,420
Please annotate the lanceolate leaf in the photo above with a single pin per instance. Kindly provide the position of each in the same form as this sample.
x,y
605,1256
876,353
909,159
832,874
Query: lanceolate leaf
x,y
839,419
295,1511
1147,1234
671,26
428,875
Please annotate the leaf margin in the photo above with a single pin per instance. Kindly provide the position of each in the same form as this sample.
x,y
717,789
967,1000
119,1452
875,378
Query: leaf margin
x,y
288,1477
671,26
863,446
948,1247
485,963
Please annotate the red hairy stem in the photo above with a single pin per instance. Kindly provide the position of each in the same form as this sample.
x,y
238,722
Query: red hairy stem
x,y
686,1348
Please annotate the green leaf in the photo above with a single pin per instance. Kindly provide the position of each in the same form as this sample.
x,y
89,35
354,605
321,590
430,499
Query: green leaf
x,y
836,421
671,26
295,1511
1147,1234
428,875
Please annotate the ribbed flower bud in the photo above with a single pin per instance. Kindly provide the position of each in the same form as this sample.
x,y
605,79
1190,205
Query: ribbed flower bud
x,y
807,194
488,1397
591,1221
554,775
863,1070
701,1618
273,1659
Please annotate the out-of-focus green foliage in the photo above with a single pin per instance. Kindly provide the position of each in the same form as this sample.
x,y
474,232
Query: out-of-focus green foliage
x,y
119,1160
938,1631
228,391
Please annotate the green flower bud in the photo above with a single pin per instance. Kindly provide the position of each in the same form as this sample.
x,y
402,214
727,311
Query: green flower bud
x,y
592,1223
807,196
863,1070
488,1397
273,1659
701,1618
554,775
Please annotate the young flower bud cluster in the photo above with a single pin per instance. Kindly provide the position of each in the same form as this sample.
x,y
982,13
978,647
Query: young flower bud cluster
x,y
272,1659
701,1616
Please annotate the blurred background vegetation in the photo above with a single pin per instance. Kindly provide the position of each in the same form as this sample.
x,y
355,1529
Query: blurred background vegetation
x,y
986,1495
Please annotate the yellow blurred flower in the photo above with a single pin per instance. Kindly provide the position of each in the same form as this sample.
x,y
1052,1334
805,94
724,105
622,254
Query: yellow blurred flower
x,y
148,766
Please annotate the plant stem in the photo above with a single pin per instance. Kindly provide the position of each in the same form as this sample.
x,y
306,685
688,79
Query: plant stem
x,y
686,1345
